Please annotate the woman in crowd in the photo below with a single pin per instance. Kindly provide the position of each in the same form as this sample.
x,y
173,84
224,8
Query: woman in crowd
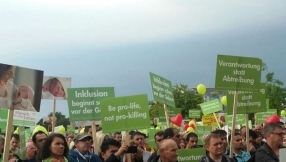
x,y
56,149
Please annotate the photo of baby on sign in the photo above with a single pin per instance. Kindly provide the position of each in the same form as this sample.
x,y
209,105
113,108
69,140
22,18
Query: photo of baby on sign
x,y
55,87
19,88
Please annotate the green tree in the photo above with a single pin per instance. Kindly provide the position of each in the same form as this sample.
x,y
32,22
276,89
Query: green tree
x,y
186,99
61,120
275,91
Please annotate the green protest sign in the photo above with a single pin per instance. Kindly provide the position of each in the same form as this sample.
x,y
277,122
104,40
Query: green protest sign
x,y
70,128
84,103
171,112
238,73
249,124
248,102
3,118
201,131
152,142
211,107
24,118
260,117
191,155
22,152
267,104
162,90
125,113
240,119
28,134
195,113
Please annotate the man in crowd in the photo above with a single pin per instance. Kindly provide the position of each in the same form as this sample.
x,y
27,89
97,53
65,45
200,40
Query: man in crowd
x,y
172,133
14,143
117,136
138,139
215,147
269,152
38,139
158,138
223,136
30,152
238,153
81,153
168,151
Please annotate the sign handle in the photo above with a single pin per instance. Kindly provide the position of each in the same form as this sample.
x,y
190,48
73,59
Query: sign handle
x,y
167,116
233,123
93,128
127,141
217,121
54,117
247,132
9,129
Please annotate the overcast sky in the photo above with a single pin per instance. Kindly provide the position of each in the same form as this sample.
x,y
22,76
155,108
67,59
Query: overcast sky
x,y
117,43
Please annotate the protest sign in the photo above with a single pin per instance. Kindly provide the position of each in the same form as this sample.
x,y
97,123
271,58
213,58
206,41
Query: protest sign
x,y
125,113
201,131
240,119
162,90
248,102
24,118
191,155
261,116
84,102
55,87
211,106
172,112
238,73
195,114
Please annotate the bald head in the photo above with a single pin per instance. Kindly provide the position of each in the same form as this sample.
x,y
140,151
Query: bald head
x,y
167,143
168,150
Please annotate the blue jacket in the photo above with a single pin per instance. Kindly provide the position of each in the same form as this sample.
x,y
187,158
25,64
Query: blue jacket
x,y
74,156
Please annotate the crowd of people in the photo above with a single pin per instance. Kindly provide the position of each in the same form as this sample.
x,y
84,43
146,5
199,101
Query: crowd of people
x,y
264,144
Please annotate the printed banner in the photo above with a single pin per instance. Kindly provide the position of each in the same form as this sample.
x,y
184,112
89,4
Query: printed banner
x,y
195,114
191,155
211,107
20,88
171,112
55,87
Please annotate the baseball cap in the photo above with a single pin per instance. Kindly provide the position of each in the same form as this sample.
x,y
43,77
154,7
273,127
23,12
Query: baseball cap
x,y
81,136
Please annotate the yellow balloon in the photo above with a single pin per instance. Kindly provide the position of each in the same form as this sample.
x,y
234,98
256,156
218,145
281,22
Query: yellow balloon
x,y
16,131
201,89
192,122
175,126
40,128
283,113
158,128
62,129
190,129
81,131
223,100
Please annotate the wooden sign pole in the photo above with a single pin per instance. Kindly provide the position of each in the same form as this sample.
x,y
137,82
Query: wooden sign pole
x,y
9,129
233,123
54,117
217,121
247,132
167,116
93,128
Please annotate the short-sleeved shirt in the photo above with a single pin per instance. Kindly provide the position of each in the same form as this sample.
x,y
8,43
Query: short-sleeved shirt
x,y
244,157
